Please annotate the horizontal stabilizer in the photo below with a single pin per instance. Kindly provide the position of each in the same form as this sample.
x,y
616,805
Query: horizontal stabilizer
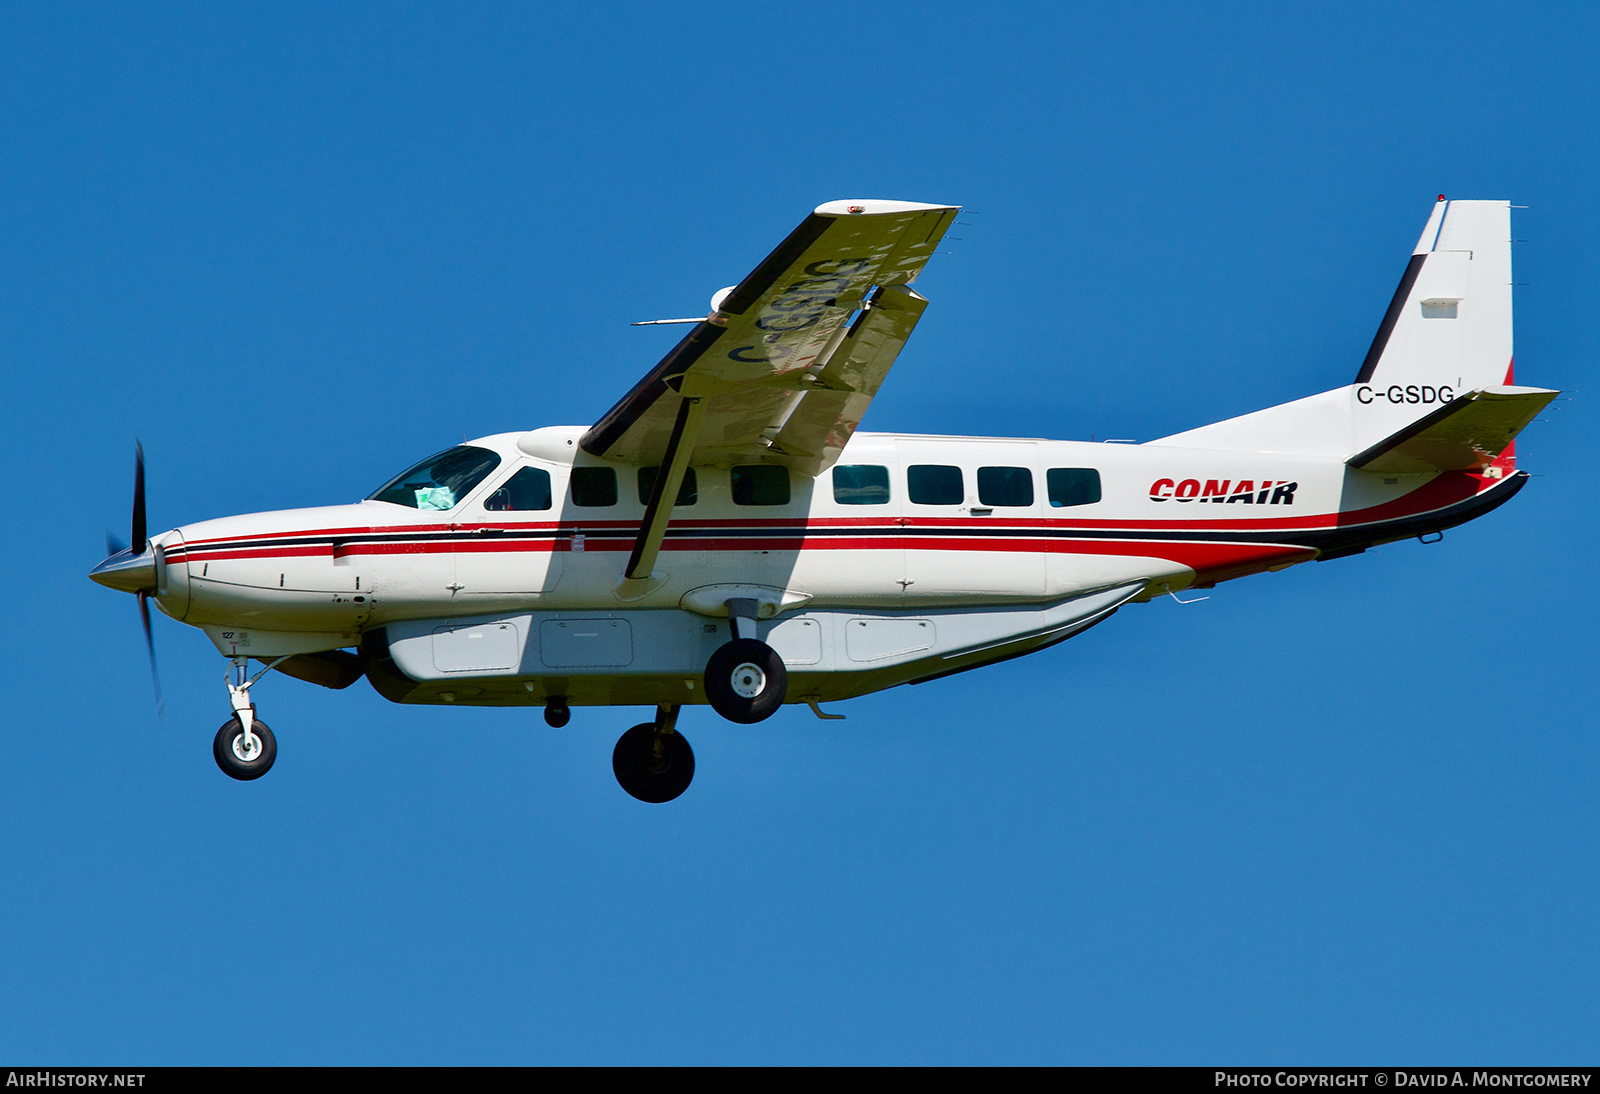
x,y
1467,433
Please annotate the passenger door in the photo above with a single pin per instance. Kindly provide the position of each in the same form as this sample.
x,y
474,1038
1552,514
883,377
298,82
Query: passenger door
x,y
506,543
973,527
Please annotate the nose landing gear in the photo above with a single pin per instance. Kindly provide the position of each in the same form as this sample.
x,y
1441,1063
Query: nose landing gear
x,y
244,748
652,761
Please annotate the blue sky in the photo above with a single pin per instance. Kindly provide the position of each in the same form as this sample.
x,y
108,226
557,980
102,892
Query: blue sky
x,y
1340,814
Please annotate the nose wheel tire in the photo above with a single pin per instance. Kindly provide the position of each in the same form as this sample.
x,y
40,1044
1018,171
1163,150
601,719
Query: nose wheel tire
x,y
653,767
240,759
746,680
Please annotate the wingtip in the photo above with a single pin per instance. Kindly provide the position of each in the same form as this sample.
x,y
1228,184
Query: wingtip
x,y
875,207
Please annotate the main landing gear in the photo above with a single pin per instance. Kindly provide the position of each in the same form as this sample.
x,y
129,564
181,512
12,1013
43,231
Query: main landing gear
x,y
745,679
745,682
244,747
653,761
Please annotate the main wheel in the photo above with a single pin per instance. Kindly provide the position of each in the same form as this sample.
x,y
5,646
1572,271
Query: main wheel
x,y
653,767
239,762
746,680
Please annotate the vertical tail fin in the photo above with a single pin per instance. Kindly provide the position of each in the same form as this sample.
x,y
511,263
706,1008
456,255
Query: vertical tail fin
x,y
1447,333
1448,328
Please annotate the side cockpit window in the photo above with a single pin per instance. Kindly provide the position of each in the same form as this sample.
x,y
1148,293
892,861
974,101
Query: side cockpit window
x,y
442,480
527,490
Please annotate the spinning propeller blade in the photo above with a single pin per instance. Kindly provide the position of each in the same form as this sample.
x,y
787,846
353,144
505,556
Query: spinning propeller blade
x,y
150,644
138,499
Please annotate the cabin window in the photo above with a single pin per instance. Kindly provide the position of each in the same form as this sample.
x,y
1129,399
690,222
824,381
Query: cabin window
x,y
935,484
441,480
861,484
760,484
527,490
594,487
688,492
1011,486
1072,486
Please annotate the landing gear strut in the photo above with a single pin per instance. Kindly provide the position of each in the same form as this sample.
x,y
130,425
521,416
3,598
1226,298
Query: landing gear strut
x,y
244,747
745,679
652,761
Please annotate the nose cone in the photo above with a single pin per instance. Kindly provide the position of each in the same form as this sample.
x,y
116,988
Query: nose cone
x,y
128,572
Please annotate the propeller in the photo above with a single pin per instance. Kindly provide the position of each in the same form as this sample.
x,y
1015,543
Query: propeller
x,y
150,645
133,569
140,544
139,540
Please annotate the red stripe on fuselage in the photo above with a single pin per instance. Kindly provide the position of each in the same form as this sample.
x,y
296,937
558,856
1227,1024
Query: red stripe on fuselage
x,y
1202,557
959,533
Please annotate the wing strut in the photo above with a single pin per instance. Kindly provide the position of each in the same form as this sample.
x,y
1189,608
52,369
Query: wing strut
x,y
636,579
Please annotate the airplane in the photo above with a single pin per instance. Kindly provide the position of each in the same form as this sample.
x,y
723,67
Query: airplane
x,y
725,535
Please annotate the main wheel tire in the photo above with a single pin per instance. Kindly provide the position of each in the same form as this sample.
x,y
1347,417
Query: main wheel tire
x,y
235,761
746,681
653,767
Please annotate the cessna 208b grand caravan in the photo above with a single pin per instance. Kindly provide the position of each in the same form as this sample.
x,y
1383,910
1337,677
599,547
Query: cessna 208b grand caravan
x,y
725,535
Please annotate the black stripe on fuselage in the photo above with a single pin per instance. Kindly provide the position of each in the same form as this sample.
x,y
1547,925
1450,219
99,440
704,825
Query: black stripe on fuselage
x,y
334,542
1362,536
1322,539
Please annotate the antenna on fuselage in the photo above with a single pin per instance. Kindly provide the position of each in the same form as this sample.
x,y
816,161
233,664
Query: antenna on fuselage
x,y
1180,599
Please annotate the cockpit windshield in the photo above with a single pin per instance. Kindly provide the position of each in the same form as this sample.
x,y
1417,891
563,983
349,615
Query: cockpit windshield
x,y
441,480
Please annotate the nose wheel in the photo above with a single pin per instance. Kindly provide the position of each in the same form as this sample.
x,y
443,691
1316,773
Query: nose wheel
x,y
244,756
652,761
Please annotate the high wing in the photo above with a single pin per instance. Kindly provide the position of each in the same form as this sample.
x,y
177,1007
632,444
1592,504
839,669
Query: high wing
x,y
784,367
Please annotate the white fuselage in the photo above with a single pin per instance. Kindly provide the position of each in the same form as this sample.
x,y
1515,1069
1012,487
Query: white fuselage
x,y
296,581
